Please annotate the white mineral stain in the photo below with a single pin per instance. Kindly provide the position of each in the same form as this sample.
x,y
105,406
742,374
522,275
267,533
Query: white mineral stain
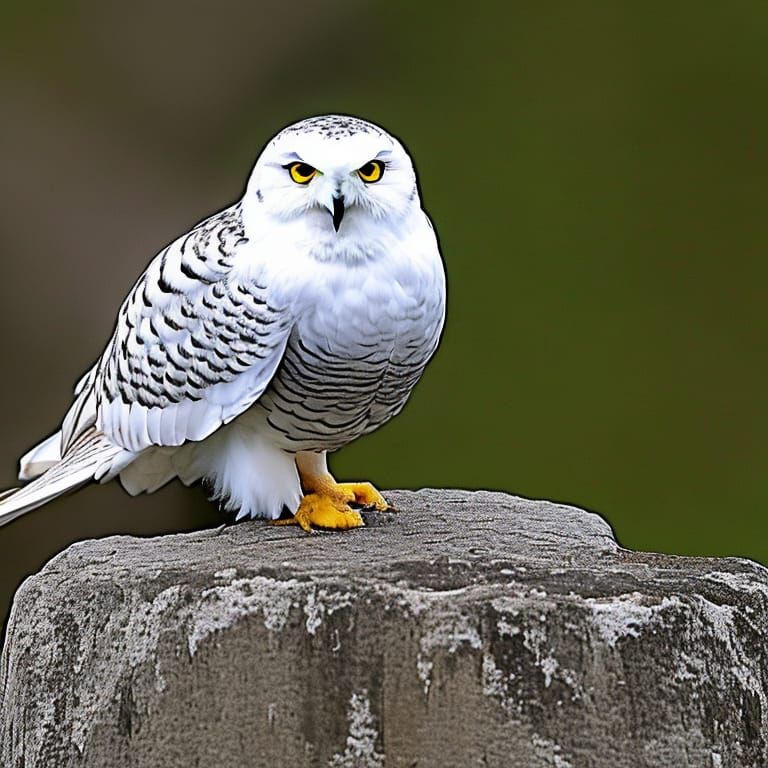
x,y
507,605
160,682
451,633
535,637
446,633
414,601
424,670
321,603
745,667
551,752
493,679
549,666
625,615
535,640
741,582
221,607
362,736
690,669
146,622
314,613
499,685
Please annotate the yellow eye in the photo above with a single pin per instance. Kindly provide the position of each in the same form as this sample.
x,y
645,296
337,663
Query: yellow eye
x,y
371,171
302,173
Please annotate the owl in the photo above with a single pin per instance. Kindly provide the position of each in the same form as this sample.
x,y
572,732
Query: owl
x,y
274,332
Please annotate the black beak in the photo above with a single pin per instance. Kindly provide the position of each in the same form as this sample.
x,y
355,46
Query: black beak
x,y
338,211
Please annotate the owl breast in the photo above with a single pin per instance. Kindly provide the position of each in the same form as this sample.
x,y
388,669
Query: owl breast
x,y
351,363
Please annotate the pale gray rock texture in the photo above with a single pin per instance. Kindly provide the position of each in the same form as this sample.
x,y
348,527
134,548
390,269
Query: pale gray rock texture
x,y
469,629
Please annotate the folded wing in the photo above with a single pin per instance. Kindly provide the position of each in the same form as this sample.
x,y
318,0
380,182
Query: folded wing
x,y
196,343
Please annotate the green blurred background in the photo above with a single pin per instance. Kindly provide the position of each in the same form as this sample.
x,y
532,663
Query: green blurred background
x,y
597,173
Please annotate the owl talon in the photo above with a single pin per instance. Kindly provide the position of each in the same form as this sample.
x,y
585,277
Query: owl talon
x,y
326,503
322,511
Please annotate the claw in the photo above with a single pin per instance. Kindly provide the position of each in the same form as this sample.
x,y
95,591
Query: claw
x,y
364,494
323,511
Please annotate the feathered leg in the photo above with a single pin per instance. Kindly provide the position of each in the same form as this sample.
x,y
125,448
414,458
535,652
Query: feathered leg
x,y
326,503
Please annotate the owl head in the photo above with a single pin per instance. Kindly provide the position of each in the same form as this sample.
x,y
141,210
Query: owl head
x,y
335,174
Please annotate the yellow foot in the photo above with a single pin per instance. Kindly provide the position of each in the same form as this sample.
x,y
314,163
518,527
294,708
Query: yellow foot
x,y
326,503
324,511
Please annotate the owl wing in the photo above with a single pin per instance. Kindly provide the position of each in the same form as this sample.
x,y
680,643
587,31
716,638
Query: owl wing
x,y
194,346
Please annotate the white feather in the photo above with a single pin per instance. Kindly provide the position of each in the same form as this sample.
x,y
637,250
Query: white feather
x,y
168,434
183,413
247,471
137,428
75,469
114,465
151,471
42,457
152,421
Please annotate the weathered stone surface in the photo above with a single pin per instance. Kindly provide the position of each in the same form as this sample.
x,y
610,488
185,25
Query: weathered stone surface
x,y
469,629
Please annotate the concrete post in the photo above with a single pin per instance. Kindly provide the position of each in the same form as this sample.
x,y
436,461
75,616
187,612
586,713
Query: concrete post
x,y
468,629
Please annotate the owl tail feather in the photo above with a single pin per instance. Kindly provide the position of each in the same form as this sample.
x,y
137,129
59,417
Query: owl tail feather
x,y
89,458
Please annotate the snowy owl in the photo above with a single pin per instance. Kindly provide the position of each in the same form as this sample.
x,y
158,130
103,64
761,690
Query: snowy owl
x,y
279,329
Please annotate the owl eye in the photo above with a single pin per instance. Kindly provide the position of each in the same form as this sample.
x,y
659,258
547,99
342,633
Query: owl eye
x,y
301,173
372,171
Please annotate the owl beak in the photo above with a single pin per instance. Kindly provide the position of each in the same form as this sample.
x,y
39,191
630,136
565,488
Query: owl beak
x,y
338,211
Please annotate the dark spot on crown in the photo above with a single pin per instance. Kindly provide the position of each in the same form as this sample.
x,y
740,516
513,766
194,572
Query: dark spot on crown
x,y
334,126
259,196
